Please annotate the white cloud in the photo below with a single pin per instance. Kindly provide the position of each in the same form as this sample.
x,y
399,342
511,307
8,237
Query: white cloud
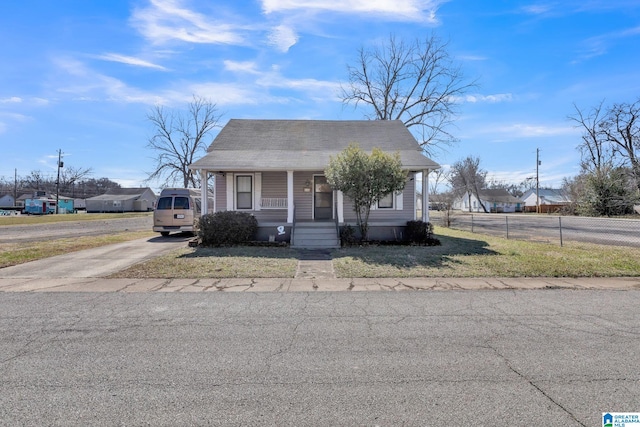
x,y
536,9
599,45
243,67
167,20
524,130
405,10
495,98
283,37
11,100
130,60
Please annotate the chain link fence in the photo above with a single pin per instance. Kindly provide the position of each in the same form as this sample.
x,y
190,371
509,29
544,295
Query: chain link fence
x,y
550,229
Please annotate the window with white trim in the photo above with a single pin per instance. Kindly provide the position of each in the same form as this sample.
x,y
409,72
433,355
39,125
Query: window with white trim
x,y
244,192
387,201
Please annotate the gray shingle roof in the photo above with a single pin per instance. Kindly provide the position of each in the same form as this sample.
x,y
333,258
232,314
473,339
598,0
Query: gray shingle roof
x,y
253,145
499,195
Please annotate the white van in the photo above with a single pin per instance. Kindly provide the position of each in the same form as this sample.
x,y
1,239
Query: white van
x,y
176,210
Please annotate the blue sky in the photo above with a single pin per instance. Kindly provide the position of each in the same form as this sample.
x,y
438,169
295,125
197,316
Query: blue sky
x,y
81,76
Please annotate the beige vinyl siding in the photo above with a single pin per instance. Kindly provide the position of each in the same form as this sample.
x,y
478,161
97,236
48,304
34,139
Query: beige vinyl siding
x,y
387,215
271,215
274,184
221,192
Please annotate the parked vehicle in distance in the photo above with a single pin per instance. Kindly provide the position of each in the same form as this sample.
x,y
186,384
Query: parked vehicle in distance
x,y
176,210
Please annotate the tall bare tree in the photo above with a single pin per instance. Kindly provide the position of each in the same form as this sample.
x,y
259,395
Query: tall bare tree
x,y
467,177
622,130
179,138
417,82
596,152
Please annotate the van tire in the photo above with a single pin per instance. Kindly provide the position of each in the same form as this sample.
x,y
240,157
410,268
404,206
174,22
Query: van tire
x,y
164,233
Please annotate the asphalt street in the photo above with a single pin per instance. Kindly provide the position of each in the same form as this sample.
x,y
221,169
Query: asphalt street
x,y
455,358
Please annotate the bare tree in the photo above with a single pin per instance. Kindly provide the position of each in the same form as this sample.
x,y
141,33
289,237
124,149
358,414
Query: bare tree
x,y
179,138
439,176
467,177
70,177
417,82
622,130
596,152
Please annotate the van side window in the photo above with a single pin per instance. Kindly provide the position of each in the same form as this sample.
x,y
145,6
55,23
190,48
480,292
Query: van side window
x,y
181,203
164,203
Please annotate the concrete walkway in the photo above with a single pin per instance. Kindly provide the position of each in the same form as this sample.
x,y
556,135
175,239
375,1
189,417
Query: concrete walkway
x,y
79,284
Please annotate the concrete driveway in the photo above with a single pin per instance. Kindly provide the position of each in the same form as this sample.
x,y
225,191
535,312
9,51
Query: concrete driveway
x,y
96,262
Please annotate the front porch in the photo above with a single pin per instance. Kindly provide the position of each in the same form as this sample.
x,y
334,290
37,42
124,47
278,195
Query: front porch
x,y
299,206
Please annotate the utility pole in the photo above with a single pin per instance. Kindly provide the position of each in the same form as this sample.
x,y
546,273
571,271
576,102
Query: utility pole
x,y
60,165
15,187
538,162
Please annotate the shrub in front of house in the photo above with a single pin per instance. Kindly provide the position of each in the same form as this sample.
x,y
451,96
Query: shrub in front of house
x,y
421,233
227,228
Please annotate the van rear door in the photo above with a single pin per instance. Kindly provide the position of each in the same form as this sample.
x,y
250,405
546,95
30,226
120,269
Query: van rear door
x,y
163,215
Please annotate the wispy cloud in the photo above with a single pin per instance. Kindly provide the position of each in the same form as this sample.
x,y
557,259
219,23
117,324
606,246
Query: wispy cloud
x,y
537,9
169,20
599,45
241,66
130,60
478,98
11,100
526,130
404,10
283,37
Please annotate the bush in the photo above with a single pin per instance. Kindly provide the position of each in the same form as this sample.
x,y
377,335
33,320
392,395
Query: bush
x,y
227,228
348,235
421,233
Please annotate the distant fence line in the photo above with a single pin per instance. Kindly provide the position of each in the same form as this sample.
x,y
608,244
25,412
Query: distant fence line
x,y
547,228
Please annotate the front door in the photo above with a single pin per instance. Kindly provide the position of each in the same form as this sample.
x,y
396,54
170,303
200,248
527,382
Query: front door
x,y
322,198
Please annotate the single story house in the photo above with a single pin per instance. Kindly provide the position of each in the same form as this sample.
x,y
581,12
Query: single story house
x,y
7,201
493,200
550,200
274,169
123,200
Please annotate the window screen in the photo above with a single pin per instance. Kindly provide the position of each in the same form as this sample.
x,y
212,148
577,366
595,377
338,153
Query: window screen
x,y
243,192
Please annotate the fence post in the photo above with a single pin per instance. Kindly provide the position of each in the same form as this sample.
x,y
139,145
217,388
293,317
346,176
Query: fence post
x,y
472,223
506,219
560,223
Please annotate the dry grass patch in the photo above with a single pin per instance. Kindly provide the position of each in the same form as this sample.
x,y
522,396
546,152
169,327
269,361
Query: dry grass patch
x,y
465,254
18,253
47,219
231,262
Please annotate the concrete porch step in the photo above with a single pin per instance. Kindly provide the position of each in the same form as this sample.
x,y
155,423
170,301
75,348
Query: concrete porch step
x,y
315,236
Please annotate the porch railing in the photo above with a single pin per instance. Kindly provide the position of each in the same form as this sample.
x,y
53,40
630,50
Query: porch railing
x,y
274,203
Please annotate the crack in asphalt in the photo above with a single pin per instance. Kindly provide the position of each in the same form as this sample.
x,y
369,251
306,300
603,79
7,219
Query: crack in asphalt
x,y
534,385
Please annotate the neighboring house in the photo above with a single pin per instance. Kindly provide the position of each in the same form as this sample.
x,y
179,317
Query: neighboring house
x,y
274,169
494,200
123,200
550,200
7,201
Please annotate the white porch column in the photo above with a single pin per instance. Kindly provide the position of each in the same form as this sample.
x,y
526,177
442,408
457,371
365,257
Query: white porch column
x,y
340,202
204,190
425,195
290,197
